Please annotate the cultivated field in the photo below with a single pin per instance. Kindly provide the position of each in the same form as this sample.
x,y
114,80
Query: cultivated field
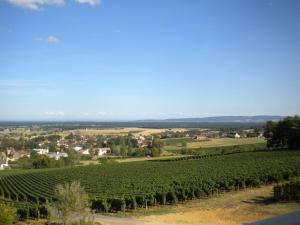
x,y
123,131
219,142
175,143
126,186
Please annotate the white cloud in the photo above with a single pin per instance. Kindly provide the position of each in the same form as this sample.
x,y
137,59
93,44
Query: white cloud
x,y
91,2
35,4
54,113
52,40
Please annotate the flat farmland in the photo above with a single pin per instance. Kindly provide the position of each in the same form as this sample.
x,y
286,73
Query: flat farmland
x,y
175,144
220,142
136,131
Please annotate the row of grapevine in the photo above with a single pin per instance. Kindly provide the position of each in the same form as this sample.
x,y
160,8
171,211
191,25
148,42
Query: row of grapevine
x,y
289,190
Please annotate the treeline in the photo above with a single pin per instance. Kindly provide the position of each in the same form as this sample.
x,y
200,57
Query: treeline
x,y
283,134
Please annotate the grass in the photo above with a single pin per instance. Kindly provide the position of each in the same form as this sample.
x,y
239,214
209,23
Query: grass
x,y
136,131
175,145
220,142
231,208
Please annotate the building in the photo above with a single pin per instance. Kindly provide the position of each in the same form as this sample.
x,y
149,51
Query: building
x,y
85,151
233,135
15,155
103,151
78,148
3,161
57,155
41,151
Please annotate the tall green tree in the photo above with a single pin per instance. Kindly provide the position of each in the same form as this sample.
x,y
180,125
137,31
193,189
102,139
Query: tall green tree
x,y
283,134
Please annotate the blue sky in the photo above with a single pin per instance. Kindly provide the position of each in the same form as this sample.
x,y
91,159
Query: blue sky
x,y
118,60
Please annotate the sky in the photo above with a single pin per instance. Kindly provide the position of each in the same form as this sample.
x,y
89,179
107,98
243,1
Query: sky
x,y
140,59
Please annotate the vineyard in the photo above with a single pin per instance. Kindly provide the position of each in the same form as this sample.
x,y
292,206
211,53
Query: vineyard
x,y
126,186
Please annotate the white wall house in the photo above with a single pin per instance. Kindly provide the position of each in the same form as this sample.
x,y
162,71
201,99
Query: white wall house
x,y
85,152
78,148
103,151
41,151
57,155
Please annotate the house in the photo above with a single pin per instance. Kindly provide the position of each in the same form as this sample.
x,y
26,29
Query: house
x,y
61,143
3,161
141,141
142,138
103,151
85,151
15,155
41,151
57,155
78,148
233,135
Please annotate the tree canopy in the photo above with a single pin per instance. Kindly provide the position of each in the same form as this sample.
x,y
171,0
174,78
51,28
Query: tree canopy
x,y
284,133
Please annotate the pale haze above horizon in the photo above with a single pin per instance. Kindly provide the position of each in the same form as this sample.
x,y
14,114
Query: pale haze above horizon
x,y
140,59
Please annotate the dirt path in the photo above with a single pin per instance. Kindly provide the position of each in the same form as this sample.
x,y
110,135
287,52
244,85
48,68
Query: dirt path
x,y
110,220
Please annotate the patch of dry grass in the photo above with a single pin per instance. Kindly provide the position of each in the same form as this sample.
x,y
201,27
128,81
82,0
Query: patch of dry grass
x,y
232,208
123,131
220,142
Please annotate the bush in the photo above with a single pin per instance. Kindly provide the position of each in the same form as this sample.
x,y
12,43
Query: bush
x,y
7,214
289,190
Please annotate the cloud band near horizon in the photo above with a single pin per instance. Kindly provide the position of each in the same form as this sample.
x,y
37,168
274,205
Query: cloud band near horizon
x,y
37,5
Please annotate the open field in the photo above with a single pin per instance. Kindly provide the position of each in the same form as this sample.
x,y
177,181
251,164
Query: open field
x,y
220,142
175,144
133,159
232,208
123,131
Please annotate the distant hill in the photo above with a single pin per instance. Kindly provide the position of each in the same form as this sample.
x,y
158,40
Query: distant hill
x,y
222,119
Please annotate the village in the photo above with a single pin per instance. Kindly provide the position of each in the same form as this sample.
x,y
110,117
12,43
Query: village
x,y
15,146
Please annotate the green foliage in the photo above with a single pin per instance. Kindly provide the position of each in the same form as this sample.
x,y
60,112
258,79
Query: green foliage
x,y
283,134
157,143
113,187
155,152
7,214
289,190
71,198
